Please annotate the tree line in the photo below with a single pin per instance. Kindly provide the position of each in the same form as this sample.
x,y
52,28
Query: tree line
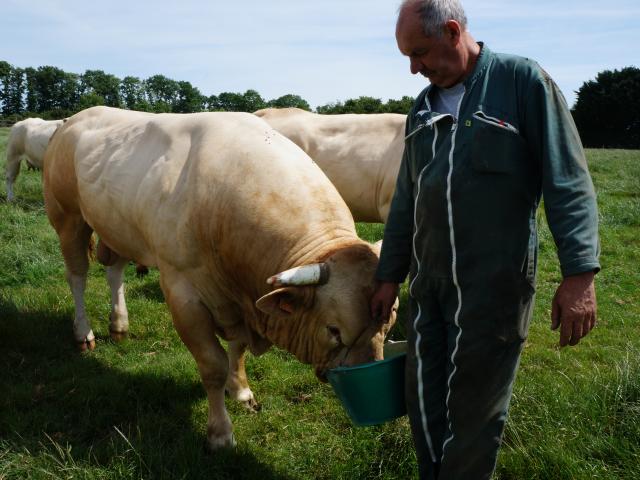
x,y
606,112
50,92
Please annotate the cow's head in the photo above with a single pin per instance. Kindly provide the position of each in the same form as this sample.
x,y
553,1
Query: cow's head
x,y
320,312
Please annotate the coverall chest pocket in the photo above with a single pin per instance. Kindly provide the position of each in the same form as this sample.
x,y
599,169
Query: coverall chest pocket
x,y
497,146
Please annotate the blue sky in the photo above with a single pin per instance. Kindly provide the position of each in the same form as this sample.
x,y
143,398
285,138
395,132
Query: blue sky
x,y
324,50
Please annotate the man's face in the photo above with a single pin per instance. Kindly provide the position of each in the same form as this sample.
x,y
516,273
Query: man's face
x,y
437,58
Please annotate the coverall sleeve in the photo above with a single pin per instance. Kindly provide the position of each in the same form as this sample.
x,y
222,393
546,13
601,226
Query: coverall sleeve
x,y
567,189
395,257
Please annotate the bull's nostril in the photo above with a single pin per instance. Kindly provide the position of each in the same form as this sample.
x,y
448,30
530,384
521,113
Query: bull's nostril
x,y
335,333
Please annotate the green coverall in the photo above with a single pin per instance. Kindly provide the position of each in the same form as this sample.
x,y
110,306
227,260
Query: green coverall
x,y
463,225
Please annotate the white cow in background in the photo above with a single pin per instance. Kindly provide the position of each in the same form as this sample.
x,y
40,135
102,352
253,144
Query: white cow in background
x,y
30,138
360,153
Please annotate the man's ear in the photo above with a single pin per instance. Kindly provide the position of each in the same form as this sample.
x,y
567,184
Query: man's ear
x,y
453,31
287,301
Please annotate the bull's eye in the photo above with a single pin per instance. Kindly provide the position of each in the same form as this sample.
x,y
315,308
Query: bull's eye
x,y
334,334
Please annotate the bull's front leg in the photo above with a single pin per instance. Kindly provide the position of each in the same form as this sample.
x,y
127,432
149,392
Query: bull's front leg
x,y
119,317
194,324
237,385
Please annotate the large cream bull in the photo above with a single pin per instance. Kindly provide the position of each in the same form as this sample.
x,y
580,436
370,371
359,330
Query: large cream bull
x,y
30,138
359,153
219,203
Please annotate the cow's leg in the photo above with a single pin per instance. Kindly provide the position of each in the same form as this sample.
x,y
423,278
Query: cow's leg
x,y
13,168
75,237
119,317
237,385
194,324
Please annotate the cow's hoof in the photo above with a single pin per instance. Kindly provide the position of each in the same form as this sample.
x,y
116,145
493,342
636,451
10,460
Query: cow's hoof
x,y
245,397
251,405
221,442
118,336
87,345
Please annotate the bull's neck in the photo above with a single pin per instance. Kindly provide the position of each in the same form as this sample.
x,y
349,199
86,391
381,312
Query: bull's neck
x,y
317,247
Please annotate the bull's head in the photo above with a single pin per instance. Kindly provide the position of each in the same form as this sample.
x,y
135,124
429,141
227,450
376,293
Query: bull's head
x,y
320,312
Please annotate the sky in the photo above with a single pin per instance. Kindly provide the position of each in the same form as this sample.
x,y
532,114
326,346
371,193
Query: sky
x,y
325,51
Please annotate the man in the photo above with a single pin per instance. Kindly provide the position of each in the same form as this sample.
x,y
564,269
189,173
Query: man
x,y
488,138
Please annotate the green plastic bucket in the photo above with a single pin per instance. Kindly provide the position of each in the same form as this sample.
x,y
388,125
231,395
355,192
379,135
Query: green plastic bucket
x,y
373,393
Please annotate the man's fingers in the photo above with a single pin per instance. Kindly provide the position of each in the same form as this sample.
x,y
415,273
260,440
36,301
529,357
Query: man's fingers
x,y
555,314
589,323
577,330
566,330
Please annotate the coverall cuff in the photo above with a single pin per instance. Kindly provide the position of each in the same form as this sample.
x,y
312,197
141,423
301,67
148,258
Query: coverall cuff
x,y
580,265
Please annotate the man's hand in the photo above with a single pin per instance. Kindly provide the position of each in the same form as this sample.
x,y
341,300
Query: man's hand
x,y
574,308
383,300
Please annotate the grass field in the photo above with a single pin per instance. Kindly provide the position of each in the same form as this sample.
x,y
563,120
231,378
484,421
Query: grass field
x,y
137,409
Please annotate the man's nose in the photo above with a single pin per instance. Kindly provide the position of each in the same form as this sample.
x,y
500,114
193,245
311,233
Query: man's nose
x,y
415,65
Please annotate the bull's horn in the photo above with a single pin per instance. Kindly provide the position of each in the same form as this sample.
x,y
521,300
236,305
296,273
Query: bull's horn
x,y
314,274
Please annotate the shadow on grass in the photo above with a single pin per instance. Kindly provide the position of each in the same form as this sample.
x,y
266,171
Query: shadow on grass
x,y
25,204
103,414
148,288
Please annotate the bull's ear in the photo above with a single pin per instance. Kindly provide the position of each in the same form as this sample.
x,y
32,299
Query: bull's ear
x,y
287,301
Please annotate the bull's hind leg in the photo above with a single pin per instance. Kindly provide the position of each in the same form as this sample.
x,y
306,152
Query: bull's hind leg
x,y
119,317
194,324
13,168
237,385
75,238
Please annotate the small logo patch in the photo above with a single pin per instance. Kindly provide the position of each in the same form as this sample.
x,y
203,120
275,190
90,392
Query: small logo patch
x,y
467,123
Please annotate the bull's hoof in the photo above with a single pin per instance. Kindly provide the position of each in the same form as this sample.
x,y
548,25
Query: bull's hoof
x,y
215,444
87,345
251,405
118,336
245,397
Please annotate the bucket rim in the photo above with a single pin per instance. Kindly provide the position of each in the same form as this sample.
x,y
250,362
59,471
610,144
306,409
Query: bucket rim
x,y
343,369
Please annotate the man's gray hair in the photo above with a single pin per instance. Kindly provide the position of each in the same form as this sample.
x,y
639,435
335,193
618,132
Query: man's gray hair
x,y
435,13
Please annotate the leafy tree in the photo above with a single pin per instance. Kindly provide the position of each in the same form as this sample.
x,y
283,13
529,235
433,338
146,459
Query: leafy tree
x,y
364,105
607,110
161,92
399,106
225,102
31,95
5,71
250,101
47,81
132,94
331,108
13,88
90,99
69,93
189,99
102,84
289,100
54,89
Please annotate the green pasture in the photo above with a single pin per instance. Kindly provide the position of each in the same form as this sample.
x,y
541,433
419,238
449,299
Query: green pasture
x,y
137,409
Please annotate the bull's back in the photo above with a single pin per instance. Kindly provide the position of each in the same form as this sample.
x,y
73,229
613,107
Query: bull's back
x,y
164,187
